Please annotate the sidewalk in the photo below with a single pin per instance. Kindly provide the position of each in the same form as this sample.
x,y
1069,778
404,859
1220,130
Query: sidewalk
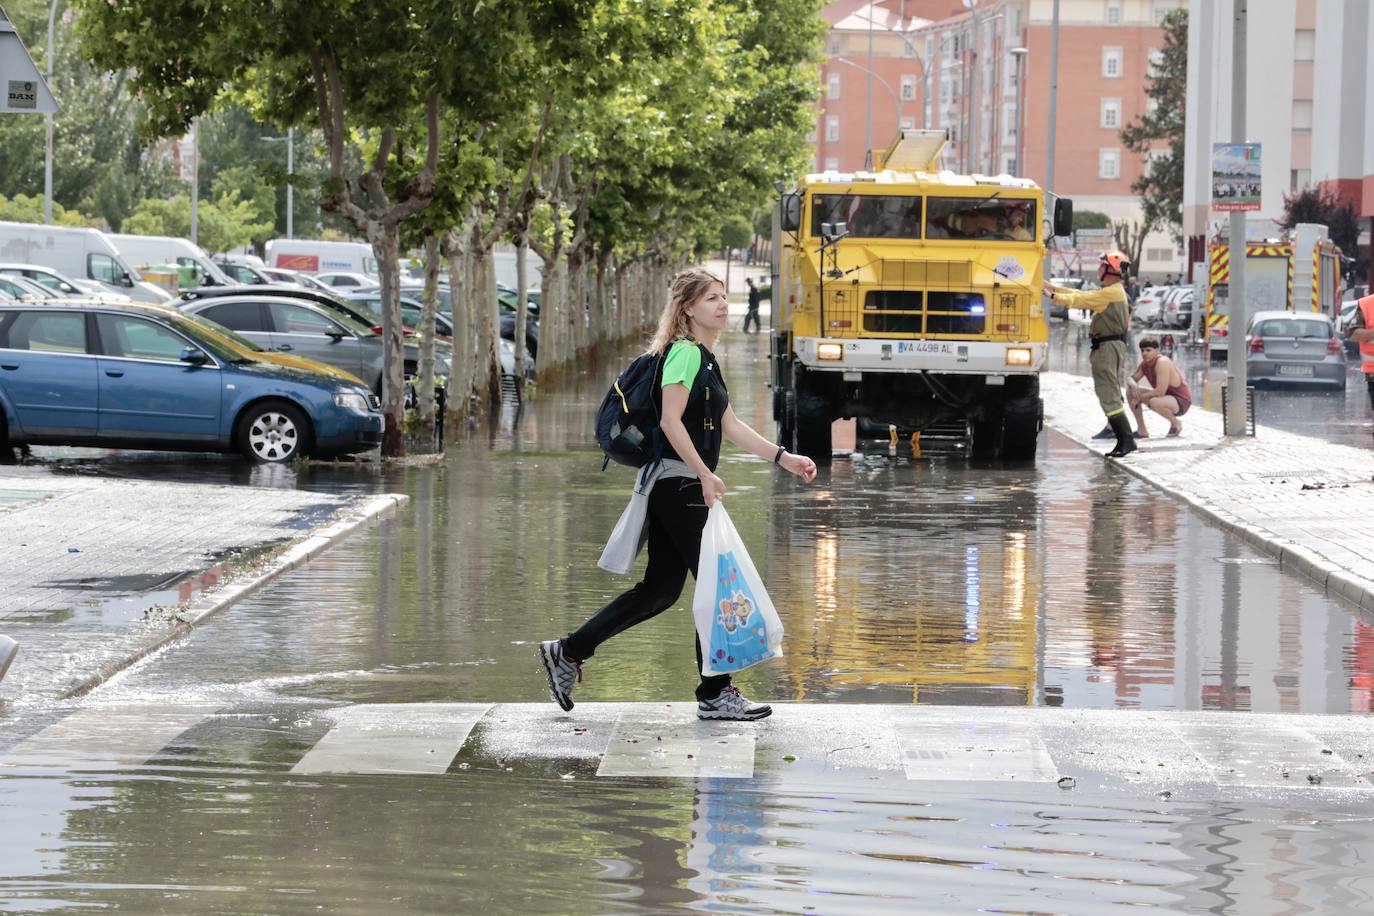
x,y
99,572
1304,501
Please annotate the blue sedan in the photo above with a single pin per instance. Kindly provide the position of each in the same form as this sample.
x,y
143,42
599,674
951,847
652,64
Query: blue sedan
x,y
133,376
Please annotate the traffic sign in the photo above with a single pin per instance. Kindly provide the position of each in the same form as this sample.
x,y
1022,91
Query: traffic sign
x,y
25,90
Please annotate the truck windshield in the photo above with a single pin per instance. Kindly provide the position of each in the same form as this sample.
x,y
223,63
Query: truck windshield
x,y
885,216
980,219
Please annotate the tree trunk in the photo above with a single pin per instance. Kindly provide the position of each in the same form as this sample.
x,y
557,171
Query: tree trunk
x,y
385,237
425,383
460,362
521,288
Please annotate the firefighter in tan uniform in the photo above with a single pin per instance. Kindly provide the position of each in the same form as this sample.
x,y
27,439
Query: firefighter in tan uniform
x,y
1362,332
1108,329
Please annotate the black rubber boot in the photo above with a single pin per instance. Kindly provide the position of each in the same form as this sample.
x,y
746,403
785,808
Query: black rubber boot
x,y
1125,442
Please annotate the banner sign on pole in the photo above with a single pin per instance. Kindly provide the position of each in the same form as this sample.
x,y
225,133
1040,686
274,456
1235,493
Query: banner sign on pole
x,y
1236,176
25,90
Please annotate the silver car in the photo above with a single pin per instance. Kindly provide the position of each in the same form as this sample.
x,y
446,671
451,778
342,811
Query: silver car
x,y
302,328
1297,347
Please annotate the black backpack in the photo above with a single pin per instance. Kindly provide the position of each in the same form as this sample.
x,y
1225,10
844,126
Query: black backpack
x,y
627,423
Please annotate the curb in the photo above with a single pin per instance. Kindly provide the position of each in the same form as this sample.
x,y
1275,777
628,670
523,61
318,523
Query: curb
x,y
294,556
1292,556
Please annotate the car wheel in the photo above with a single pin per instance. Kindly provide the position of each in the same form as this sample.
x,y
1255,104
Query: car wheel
x,y
273,432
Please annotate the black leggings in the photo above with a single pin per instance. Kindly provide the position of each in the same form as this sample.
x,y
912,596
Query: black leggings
x,y
677,514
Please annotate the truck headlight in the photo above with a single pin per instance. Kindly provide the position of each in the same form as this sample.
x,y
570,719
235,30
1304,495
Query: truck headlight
x,y
351,400
829,351
1018,356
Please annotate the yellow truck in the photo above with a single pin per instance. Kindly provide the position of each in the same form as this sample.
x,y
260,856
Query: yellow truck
x,y
911,296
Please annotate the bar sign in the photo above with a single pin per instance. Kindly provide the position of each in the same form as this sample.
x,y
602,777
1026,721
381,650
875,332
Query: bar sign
x,y
23,94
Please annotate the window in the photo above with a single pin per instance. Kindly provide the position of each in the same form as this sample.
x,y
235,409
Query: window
x,y
44,332
135,338
930,49
832,128
908,49
292,319
104,269
1109,163
832,164
1113,12
1304,46
1111,113
1159,254
834,47
832,86
1302,114
237,316
1156,61
908,87
1111,62
869,216
1160,9
1299,179
985,219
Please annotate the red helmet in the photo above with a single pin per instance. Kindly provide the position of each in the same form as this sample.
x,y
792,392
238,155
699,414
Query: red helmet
x,y
1114,261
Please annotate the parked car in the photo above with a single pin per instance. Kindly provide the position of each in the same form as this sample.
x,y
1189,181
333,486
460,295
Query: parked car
x,y
49,279
1052,309
415,291
147,250
1148,305
326,299
411,311
306,329
1176,307
243,274
133,376
1298,347
77,252
26,290
343,278
1343,322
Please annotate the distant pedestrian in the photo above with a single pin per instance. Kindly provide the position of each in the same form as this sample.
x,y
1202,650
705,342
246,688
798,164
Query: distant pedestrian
x,y
1167,394
675,494
753,314
1361,330
1110,323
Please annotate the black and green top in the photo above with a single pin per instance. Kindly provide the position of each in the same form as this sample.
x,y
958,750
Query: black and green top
x,y
690,364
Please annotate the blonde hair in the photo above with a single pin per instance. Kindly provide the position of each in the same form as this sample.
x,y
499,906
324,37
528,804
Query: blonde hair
x,y
688,286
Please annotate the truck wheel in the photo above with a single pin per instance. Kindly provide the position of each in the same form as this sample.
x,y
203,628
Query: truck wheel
x,y
813,427
987,435
1021,421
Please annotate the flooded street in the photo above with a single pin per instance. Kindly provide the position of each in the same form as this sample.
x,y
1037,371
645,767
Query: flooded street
x,y
901,581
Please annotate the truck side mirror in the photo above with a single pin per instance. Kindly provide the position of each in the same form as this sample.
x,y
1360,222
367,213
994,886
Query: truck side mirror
x,y
1063,216
791,212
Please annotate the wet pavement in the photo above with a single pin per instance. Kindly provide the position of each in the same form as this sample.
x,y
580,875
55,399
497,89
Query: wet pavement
x,y
934,581
1341,417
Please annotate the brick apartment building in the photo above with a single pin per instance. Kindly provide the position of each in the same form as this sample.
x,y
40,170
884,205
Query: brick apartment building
x,y
949,63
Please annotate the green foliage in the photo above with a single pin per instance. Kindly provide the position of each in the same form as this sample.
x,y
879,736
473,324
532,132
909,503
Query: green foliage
x,y
1160,186
221,224
1313,205
1091,219
737,232
24,209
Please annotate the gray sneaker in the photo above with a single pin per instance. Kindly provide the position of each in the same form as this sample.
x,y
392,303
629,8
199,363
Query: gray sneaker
x,y
732,705
563,673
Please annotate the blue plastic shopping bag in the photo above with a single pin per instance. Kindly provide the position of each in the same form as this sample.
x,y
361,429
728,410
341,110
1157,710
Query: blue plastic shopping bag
x,y
735,618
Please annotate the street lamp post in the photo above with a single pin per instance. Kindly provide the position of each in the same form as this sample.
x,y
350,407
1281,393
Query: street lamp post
x,y
1020,55
290,171
47,124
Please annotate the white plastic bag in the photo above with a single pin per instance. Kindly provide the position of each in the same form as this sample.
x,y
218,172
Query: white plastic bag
x,y
735,619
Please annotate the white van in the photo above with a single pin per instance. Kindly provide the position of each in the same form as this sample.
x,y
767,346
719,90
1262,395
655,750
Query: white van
x,y
312,256
76,252
153,250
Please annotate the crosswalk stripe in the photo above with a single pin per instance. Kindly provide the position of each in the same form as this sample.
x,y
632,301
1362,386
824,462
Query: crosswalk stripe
x,y
119,735
938,746
1266,756
393,738
670,741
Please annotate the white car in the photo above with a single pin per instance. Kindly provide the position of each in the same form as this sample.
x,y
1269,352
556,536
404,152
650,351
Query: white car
x,y
346,279
1148,305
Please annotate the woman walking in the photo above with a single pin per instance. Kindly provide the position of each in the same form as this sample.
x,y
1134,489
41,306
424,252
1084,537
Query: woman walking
x,y
678,492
